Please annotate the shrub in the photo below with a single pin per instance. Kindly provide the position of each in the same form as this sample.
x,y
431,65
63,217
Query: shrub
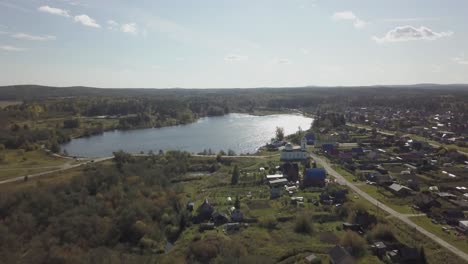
x,y
268,222
382,232
355,242
303,225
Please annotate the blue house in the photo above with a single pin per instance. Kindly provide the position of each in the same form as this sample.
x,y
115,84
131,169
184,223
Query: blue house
x,y
310,138
357,151
314,177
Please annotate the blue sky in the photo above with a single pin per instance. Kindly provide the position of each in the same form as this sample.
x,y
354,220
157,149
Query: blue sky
x,y
243,43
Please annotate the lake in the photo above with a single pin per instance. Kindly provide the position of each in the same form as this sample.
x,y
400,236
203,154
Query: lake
x,y
240,132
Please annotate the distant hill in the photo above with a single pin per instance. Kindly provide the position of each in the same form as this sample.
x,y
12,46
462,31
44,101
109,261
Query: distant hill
x,y
31,92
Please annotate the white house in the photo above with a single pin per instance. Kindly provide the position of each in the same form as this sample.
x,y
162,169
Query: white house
x,y
295,153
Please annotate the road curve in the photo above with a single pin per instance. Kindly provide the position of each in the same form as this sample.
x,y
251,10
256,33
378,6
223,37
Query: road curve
x,y
404,218
61,168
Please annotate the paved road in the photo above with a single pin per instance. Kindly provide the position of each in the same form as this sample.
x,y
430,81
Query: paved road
x,y
404,218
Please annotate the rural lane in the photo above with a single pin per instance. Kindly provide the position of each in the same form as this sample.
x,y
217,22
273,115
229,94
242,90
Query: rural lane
x,y
404,218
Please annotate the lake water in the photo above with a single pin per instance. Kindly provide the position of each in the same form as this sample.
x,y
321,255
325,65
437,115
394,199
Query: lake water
x,y
240,132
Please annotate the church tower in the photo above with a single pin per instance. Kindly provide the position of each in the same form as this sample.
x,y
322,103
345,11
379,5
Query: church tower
x,y
304,144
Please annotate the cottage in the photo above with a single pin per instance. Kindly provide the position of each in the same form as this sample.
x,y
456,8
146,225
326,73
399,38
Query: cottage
x,y
312,259
399,189
232,227
278,182
205,211
339,255
220,218
353,227
463,224
453,216
425,202
314,177
237,216
379,248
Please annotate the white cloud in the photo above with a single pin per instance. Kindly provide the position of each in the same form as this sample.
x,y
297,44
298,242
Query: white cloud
x,y
130,28
235,57
408,33
85,20
305,51
112,25
54,11
460,60
10,48
408,19
349,16
25,36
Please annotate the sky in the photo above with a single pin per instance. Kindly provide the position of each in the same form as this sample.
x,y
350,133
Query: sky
x,y
232,44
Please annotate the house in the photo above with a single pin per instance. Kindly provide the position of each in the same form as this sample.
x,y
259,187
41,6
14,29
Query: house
x,y
339,196
378,178
345,156
399,189
278,182
353,227
357,151
295,153
312,259
275,193
220,218
310,138
446,195
328,147
453,216
205,211
237,216
232,227
325,198
379,248
314,177
339,255
408,255
425,202
463,224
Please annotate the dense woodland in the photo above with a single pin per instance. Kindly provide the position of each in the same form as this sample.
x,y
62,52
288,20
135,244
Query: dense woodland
x,y
128,206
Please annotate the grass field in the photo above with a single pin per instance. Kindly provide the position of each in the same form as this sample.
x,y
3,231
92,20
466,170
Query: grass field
x,y
18,163
401,205
460,241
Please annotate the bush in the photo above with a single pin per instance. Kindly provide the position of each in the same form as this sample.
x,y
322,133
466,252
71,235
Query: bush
x,y
303,225
355,242
382,232
268,222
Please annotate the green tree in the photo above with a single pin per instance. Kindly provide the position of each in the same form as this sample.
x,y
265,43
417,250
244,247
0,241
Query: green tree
x,y
279,133
235,175
237,203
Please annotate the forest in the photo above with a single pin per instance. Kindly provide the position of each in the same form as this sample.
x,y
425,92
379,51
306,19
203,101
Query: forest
x,y
128,206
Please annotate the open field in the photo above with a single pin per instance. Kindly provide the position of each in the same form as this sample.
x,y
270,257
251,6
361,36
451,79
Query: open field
x,y
18,163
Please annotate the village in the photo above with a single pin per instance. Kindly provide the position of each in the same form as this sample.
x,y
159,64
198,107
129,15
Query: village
x,y
427,184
